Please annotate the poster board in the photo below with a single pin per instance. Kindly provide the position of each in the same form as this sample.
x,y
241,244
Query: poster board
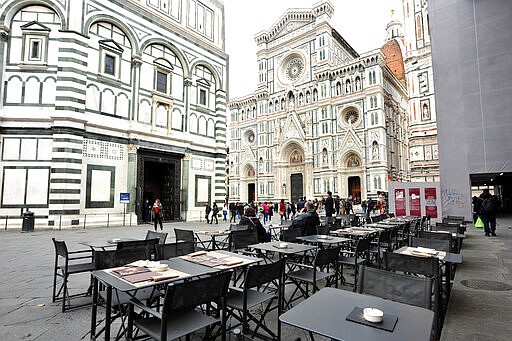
x,y
416,199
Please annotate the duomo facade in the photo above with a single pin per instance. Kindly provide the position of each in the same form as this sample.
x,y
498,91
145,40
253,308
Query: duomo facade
x,y
323,117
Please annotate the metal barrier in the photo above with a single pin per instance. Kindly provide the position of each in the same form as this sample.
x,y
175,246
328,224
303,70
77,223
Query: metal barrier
x,y
71,221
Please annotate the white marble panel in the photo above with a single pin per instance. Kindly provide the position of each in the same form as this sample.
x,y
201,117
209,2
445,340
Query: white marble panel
x,y
202,192
11,149
37,186
28,149
100,185
14,187
44,149
32,89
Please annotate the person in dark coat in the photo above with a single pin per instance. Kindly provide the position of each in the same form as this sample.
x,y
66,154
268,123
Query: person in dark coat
x,y
215,210
488,210
307,221
207,211
329,206
249,218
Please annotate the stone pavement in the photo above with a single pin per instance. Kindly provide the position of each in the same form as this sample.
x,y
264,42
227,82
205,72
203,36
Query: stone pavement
x,y
27,313
481,314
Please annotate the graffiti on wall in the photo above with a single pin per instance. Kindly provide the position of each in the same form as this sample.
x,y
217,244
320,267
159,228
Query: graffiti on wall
x,y
451,198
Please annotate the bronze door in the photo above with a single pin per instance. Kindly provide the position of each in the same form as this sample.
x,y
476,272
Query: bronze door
x,y
297,187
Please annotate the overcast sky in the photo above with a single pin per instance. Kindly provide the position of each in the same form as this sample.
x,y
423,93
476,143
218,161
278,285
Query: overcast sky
x,y
361,22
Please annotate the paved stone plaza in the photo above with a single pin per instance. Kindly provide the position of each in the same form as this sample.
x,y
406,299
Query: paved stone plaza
x,y
26,311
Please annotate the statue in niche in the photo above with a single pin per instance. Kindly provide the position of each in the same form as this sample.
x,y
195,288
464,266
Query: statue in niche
x,y
308,97
291,102
358,84
375,151
338,89
348,87
324,156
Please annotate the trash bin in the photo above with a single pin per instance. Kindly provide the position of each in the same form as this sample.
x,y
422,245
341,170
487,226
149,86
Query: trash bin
x,y
28,222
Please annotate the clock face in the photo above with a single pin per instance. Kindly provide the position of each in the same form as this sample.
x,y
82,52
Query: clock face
x,y
294,68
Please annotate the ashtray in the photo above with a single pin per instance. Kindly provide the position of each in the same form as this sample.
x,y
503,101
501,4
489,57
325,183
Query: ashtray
x,y
161,267
373,315
282,245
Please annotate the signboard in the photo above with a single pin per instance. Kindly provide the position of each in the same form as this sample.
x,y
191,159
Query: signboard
x,y
414,202
124,198
431,202
400,209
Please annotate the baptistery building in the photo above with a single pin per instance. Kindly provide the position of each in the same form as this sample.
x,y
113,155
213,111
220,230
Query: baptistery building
x,y
107,104
323,117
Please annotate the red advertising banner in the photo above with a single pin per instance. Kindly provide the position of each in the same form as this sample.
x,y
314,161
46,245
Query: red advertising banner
x,y
414,202
400,202
431,202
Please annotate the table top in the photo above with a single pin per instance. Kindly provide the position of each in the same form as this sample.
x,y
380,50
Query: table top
x,y
186,269
450,257
324,313
324,239
108,243
274,246
214,232
355,232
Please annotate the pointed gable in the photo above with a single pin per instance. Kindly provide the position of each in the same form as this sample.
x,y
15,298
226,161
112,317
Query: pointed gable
x,y
35,26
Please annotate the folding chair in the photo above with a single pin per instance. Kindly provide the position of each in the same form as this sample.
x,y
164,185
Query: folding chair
x,y
65,265
179,315
380,246
148,245
402,288
170,250
253,293
290,234
161,236
423,266
119,306
325,259
361,255
241,239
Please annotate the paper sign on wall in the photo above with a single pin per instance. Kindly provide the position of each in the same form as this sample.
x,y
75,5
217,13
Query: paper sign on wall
x,y
414,202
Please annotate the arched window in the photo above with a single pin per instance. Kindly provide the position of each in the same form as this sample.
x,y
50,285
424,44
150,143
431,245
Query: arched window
x,y
301,99
418,27
308,97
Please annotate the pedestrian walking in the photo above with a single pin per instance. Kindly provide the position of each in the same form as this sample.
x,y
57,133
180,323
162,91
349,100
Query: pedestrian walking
x,y
157,213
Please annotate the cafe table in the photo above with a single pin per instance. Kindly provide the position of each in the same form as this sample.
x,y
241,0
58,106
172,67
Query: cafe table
x,y
325,313
182,269
213,239
323,239
107,243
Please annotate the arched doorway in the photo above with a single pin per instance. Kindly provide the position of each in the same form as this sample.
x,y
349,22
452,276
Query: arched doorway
x,y
248,184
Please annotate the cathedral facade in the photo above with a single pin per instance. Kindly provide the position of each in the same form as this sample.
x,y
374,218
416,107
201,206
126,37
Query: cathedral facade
x,y
323,117
107,104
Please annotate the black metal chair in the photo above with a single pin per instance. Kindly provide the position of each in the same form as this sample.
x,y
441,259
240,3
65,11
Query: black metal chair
x,y
161,236
148,245
290,234
241,239
170,250
380,246
402,288
324,261
439,245
361,255
238,227
424,266
116,258
69,263
179,315
254,292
